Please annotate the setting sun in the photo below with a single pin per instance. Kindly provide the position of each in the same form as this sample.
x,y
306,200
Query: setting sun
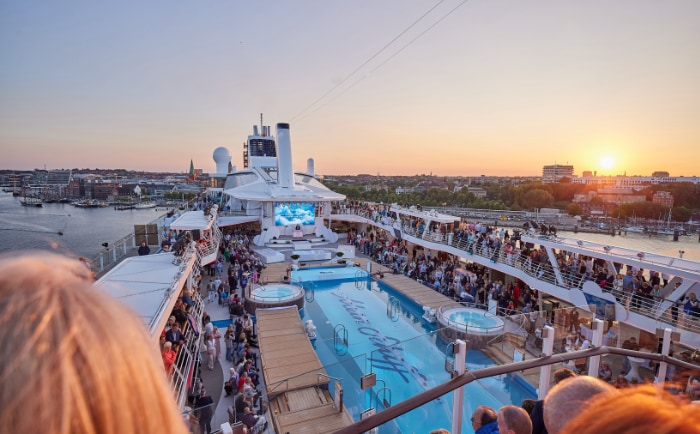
x,y
607,162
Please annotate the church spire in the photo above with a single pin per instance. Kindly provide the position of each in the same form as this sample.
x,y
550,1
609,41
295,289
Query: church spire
x,y
193,175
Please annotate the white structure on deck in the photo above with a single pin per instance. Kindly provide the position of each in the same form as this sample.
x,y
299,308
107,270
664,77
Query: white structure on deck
x,y
202,226
150,285
268,183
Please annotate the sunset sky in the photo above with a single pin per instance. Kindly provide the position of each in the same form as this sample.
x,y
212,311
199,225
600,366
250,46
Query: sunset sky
x,y
390,87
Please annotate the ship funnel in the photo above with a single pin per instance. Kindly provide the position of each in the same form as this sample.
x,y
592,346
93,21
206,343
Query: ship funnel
x,y
255,130
285,171
310,167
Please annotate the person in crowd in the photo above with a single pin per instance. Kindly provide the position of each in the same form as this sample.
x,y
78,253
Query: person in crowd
x,y
692,389
211,352
52,320
250,393
175,336
566,399
440,431
247,326
605,372
691,306
514,420
628,344
537,413
251,420
229,340
144,249
211,292
204,411
640,409
621,382
216,335
168,356
165,244
485,420
232,383
676,305
208,326
528,405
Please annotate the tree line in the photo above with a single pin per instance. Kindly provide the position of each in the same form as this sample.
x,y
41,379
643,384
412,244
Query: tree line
x,y
535,195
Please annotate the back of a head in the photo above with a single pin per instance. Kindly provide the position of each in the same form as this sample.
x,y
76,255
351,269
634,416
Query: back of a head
x,y
562,374
75,360
513,419
637,409
568,398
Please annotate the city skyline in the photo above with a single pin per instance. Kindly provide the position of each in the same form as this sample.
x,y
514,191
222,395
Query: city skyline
x,y
471,88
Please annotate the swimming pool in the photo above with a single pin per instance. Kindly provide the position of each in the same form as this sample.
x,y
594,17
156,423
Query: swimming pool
x,y
364,326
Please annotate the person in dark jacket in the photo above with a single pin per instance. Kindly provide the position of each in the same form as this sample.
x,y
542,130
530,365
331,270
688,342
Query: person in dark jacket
x,y
485,420
205,411
144,249
537,414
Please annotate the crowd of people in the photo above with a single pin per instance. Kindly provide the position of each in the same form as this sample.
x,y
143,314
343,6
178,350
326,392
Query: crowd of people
x,y
582,404
442,272
635,287
227,278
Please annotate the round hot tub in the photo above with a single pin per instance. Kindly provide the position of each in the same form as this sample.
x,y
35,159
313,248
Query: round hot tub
x,y
474,325
274,295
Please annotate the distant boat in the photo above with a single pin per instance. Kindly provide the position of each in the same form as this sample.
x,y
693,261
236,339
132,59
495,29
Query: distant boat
x,y
90,203
31,201
145,205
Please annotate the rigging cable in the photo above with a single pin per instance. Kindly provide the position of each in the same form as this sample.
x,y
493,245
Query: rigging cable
x,y
347,77
301,114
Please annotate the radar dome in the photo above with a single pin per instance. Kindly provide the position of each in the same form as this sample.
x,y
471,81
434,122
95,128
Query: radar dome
x,y
222,158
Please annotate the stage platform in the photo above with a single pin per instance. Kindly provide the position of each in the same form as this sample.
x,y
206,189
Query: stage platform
x,y
270,256
302,243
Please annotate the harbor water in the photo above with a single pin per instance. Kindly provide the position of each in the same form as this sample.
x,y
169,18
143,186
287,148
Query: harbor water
x,y
64,228
84,230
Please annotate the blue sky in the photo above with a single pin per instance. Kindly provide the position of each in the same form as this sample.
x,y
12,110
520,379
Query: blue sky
x,y
476,87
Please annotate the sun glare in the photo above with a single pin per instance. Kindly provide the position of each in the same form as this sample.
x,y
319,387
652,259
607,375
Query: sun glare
x,y
607,162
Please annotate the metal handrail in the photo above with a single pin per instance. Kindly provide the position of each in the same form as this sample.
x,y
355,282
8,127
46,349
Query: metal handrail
x,y
416,401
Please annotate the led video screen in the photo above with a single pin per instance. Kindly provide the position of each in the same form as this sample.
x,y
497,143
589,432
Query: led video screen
x,y
294,213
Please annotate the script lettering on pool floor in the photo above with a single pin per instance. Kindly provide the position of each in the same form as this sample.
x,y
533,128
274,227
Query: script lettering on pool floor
x,y
390,356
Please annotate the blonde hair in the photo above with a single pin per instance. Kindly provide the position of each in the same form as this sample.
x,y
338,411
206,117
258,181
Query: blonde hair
x,y
73,359
638,409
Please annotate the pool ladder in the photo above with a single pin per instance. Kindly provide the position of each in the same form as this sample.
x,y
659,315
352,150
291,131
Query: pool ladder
x,y
384,390
340,339
360,278
393,308
309,292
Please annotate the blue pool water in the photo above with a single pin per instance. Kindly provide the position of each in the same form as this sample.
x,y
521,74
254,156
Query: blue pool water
x,y
468,316
364,326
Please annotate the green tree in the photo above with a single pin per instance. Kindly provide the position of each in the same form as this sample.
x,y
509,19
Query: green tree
x,y
537,198
681,214
574,209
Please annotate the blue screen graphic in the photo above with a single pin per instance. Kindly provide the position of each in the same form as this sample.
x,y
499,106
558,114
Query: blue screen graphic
x,y
295,213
